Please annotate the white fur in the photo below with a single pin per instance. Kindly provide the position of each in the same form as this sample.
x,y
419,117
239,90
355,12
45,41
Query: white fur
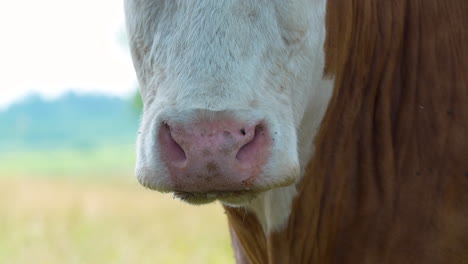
x,y
256,60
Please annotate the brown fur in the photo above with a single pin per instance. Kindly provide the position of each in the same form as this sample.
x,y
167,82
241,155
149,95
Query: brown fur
x,y
388,182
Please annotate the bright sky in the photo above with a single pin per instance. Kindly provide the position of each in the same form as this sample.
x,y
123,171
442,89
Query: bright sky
x,y
53,46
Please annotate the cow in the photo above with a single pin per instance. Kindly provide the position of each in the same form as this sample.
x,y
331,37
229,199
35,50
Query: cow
x,y
331,131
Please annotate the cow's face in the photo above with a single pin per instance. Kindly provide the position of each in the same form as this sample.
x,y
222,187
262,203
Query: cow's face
x,y
225,85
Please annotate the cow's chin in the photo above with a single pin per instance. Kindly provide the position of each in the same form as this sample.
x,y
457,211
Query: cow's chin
x,y
229,198
236,198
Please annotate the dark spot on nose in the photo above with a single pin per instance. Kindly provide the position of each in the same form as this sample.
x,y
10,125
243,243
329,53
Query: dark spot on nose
x,y
212,167
258,128
243,131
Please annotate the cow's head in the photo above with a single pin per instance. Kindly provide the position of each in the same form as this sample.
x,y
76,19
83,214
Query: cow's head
x,y
225,86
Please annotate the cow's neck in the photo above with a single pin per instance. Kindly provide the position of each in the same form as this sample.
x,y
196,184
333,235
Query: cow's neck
x,y
273,208
261,245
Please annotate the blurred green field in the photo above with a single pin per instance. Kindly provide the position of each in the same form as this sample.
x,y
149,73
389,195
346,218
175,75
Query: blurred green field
x,y
86,207
104,163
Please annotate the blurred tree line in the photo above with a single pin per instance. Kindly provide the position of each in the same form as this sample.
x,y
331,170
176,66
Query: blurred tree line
x,y
70,121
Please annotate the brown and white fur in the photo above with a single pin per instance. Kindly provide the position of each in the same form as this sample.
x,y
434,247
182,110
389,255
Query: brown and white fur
x,y
367,103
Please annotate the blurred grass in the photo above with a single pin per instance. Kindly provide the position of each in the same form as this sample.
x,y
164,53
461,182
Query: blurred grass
x,y
110,162
86,207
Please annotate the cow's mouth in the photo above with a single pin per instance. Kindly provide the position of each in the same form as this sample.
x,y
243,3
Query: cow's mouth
x,y
233,198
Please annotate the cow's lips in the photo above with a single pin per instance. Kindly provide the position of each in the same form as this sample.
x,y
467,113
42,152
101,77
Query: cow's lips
x,y
235,197
228,197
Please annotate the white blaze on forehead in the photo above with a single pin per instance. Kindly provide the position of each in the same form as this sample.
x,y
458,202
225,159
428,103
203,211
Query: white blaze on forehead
x,y
258,60
210,52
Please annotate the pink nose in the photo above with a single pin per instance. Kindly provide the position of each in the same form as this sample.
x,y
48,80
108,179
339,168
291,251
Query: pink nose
x,y
212,156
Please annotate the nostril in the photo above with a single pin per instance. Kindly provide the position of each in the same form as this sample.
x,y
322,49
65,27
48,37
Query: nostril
x,y
170,148
251,148
243,131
